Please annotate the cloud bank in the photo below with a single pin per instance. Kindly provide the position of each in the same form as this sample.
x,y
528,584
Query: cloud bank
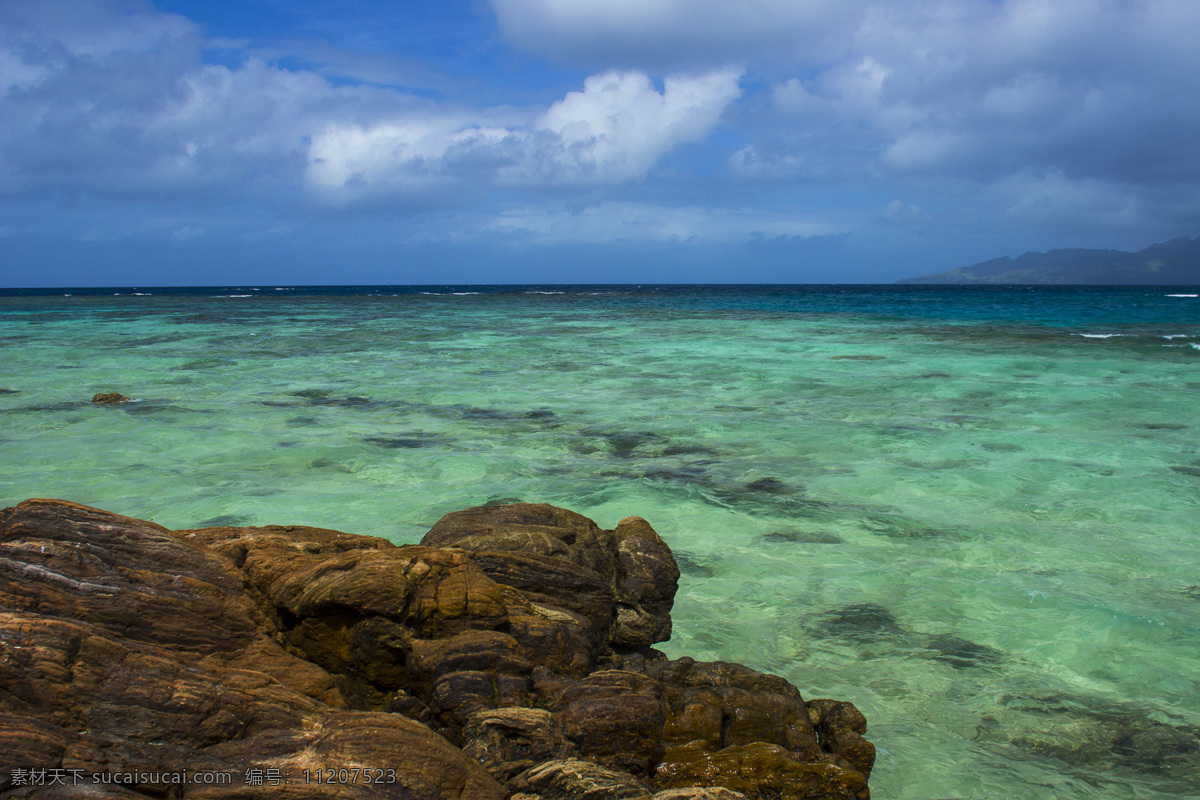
x,y
125,105
901,124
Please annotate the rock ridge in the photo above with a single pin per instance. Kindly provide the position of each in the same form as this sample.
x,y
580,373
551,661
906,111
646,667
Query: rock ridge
x,y
508,655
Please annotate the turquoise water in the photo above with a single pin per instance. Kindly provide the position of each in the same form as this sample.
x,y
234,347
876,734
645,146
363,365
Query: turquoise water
x,y
973,513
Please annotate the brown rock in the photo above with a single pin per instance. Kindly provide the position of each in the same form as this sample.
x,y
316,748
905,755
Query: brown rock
x,y
568,779
127,647
624,581
508,741
109,398
646,581
759,771
840,728
722,704
615,718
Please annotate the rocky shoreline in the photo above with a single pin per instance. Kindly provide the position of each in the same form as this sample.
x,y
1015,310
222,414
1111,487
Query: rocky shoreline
x,y
509,655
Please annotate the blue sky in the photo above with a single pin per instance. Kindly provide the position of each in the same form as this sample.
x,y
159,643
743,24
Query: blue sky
x,y
194,142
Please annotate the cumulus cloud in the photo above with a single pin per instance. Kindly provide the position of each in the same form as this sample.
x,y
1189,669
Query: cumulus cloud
x,y
973,88
125,105
984,90
613,131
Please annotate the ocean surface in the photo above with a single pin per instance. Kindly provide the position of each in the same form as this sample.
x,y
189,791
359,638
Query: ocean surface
x,y
973,512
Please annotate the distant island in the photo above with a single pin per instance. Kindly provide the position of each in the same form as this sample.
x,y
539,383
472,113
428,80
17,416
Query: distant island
x,y
1173,263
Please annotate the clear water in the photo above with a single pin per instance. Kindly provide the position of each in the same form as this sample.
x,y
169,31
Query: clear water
x,y
974,513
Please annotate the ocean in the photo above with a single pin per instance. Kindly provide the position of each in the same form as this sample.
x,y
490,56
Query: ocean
x,y
972,511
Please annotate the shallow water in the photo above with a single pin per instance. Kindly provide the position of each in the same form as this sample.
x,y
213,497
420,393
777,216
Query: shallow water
x,y
971,512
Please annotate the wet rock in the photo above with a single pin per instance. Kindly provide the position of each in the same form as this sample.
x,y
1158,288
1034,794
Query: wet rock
x,y
615,718
699,793
624,580
109,398
508,741
568,779
840,728
130,647
759,771
522,637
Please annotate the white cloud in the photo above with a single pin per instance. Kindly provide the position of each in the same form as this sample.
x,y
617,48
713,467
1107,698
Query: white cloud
x,y
117,101
1093,91
613,131
620,125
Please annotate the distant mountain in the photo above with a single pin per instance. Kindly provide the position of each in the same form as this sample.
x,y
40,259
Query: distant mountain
x,y
1173,263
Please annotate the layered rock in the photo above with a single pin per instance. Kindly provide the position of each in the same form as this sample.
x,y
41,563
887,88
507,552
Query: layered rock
x,y
509,654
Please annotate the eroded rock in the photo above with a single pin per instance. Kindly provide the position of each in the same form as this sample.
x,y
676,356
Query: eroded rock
x,y
519,632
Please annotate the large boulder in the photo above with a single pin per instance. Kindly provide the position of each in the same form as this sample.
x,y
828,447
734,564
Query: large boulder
x,y
623,580
128,650
520,634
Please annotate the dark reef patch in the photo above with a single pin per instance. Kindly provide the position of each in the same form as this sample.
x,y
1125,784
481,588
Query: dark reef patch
x,y
206,363
803,537
1095,734
696,566
408,441
961,653
859,622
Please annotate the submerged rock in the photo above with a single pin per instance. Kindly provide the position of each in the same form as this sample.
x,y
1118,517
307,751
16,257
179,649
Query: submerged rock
x,y
508,653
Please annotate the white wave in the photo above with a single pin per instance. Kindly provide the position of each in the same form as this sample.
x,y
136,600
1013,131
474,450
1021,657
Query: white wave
x,y
1097,335
1177,336
537,292
1181,295
1197,346
233,295
462,293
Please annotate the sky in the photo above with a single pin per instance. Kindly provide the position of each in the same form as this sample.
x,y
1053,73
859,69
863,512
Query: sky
x,y
198,142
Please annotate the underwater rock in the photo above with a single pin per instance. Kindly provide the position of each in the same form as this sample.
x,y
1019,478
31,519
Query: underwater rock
x,y
522,638
805,537
862,622
109,398
1094,734
961,653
